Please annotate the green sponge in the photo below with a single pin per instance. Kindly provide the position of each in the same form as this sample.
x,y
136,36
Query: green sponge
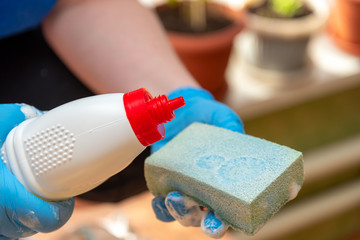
x,y
243,179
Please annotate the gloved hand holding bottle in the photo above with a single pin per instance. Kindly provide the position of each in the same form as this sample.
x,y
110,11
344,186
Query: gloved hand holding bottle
x,y
70,150
200,107
23,214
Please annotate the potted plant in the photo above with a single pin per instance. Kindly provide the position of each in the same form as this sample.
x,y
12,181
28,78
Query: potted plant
x,y
344,25
202,34
280,31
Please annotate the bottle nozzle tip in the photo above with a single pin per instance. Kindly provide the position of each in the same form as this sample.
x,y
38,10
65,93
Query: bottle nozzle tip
x,y
176,103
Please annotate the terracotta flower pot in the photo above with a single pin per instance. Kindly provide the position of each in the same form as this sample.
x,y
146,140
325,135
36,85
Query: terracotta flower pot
x,y
344,25
206,55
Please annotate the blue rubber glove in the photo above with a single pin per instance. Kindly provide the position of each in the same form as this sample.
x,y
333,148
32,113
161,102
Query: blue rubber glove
x,y
200,106
23,214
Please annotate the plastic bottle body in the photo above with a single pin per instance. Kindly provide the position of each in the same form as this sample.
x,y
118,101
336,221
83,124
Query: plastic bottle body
x,y
57,155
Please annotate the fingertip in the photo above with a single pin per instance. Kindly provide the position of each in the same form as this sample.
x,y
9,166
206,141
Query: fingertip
x,y
226,118
213,226
175,203
184,209
62,211
235,126
160,210
174,195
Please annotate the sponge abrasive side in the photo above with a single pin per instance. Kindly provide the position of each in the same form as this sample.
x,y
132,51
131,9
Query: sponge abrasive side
x,y
243,179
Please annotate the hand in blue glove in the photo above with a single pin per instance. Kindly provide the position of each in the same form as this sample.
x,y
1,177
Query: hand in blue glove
x,y
23,214
200,107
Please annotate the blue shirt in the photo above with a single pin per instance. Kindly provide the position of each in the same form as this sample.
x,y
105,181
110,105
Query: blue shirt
x,y
19,15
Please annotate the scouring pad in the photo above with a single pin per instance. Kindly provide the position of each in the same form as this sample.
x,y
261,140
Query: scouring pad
x,y
243,179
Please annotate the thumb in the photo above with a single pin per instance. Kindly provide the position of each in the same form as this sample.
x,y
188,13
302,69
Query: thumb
x,y
29,210
40,215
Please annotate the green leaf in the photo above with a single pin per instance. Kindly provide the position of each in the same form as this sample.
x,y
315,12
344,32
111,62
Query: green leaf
x,y
286,8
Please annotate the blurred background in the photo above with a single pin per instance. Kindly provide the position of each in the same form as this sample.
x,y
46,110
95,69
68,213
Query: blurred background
x,y
294,78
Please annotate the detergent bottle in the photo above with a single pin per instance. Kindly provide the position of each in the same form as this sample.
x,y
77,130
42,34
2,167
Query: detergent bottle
x,y
75,147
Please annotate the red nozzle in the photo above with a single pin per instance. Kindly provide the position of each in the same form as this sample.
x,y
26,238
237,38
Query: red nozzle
x,y
162,109
176,103
147,115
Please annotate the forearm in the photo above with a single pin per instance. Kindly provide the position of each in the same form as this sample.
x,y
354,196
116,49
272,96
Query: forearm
x,y
114,46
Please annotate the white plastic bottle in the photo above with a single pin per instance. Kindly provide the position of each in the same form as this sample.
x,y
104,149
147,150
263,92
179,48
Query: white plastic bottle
x,y
75,147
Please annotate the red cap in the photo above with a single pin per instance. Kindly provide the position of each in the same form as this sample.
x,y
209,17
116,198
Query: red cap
x,y
147,115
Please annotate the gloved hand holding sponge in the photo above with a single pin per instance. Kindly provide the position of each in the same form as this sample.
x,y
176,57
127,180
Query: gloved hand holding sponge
x,y
200,107
211,175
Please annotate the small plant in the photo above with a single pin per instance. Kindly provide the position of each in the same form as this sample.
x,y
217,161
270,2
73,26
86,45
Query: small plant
x,y
194,16
193,13
286,8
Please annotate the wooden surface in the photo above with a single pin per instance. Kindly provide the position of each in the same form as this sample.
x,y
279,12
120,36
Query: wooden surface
x,y
142,221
